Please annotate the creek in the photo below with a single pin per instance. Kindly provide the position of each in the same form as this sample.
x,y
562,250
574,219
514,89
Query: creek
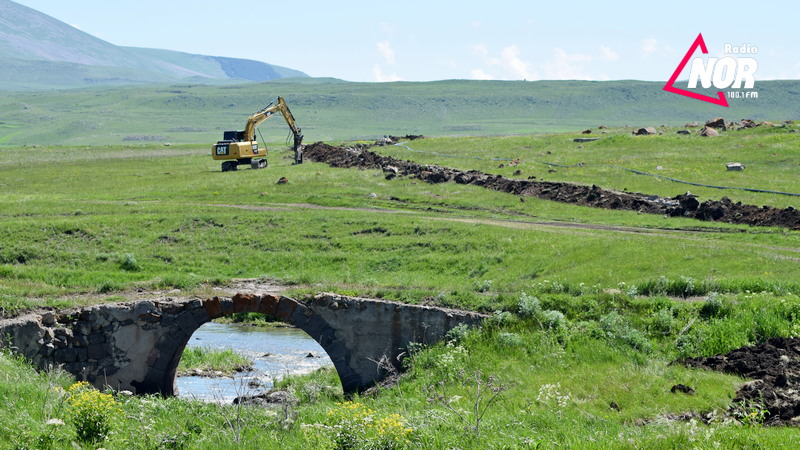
x,y
275,352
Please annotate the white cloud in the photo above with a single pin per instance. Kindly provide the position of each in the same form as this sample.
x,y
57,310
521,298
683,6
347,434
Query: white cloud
x,y
566,66
511,61
572,66
381,77
510,65
606,54
649,46
386,51
479,74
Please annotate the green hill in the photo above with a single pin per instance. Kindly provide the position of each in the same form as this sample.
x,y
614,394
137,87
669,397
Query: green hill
x,y
40,52
330,109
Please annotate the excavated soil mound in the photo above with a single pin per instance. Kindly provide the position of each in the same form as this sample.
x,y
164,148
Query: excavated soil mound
x,y
775,368
723,210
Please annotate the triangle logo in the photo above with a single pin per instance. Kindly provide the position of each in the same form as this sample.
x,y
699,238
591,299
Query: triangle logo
x,y
670,86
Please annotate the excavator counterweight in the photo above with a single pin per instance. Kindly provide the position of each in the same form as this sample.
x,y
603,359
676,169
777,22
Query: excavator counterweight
x,y
241,147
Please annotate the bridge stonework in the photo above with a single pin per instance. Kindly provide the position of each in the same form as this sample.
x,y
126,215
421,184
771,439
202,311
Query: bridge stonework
x,y
137,345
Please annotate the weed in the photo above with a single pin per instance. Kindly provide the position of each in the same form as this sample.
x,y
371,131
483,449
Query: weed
x,y
480,394
91,412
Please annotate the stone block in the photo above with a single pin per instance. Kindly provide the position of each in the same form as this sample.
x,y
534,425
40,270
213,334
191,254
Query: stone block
x,y
213,307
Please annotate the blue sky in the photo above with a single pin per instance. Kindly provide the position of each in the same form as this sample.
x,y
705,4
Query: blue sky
x,y
426,40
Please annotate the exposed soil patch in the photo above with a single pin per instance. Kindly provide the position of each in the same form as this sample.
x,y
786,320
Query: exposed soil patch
x,y
774,367
723,210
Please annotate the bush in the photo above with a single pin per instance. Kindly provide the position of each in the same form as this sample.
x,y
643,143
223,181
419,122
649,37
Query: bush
x,y
128,262
91,411
617,330
528,306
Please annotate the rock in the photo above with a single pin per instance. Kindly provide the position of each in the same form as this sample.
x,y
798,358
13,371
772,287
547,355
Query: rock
x,y
310,355
682,388
586,132
391,172
688,201
373,195
645,131
517,172
585,139
267,398
709,132
684,132
692,125
48,319
734,166
282,180
718,123
602,127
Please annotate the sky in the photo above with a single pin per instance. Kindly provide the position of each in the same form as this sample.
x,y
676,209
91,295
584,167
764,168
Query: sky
x,y
427,40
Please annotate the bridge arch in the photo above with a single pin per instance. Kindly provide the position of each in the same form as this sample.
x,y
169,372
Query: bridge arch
x,y
286,309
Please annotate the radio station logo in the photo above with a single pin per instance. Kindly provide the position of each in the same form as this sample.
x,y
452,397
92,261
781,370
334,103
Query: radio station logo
x,y
736,74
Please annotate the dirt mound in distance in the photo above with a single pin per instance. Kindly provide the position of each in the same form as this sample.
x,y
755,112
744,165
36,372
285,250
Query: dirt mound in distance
x,y
775,368
686,205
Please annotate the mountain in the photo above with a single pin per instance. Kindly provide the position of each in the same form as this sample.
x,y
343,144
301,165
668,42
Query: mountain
x,y
39,51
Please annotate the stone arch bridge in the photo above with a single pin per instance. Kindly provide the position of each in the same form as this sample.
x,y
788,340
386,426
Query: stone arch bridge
x,y
137,345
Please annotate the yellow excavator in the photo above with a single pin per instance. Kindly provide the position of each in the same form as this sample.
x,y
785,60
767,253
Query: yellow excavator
x,y
241,147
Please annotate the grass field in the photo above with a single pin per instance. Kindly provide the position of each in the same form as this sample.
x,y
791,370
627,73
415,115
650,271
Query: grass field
x,y
589,306
330,109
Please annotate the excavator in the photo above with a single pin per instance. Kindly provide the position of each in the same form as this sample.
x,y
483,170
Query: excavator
x,y
241,147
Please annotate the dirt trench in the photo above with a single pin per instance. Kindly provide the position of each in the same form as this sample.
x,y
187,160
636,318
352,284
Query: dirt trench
x,y
774,367
723,210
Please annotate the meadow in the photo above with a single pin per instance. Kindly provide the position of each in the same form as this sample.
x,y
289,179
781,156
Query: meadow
x,y
589,307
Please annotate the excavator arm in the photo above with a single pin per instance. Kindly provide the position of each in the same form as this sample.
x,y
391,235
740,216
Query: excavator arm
x,y
277,105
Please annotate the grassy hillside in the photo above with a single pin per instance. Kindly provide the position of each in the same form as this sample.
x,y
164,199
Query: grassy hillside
x,y
329,109
41,52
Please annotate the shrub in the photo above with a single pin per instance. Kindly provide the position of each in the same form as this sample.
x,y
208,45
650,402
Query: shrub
x,y
715,307
507,339
353,425
553,319
91,412
528,306
128,262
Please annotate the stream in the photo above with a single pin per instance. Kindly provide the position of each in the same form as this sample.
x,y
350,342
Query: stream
x,y
276,352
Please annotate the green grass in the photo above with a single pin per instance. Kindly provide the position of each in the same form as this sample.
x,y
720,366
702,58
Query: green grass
x,y
574,383
589,307
106,219
205,359
326,109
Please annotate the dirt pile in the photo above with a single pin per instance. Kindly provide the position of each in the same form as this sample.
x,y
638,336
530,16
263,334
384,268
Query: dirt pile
x,y
774,367
686,205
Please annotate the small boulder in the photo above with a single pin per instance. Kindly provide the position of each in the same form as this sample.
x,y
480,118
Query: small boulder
x,y
586,132
282,180
645,131
684,132
718,123
709,132
734,166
